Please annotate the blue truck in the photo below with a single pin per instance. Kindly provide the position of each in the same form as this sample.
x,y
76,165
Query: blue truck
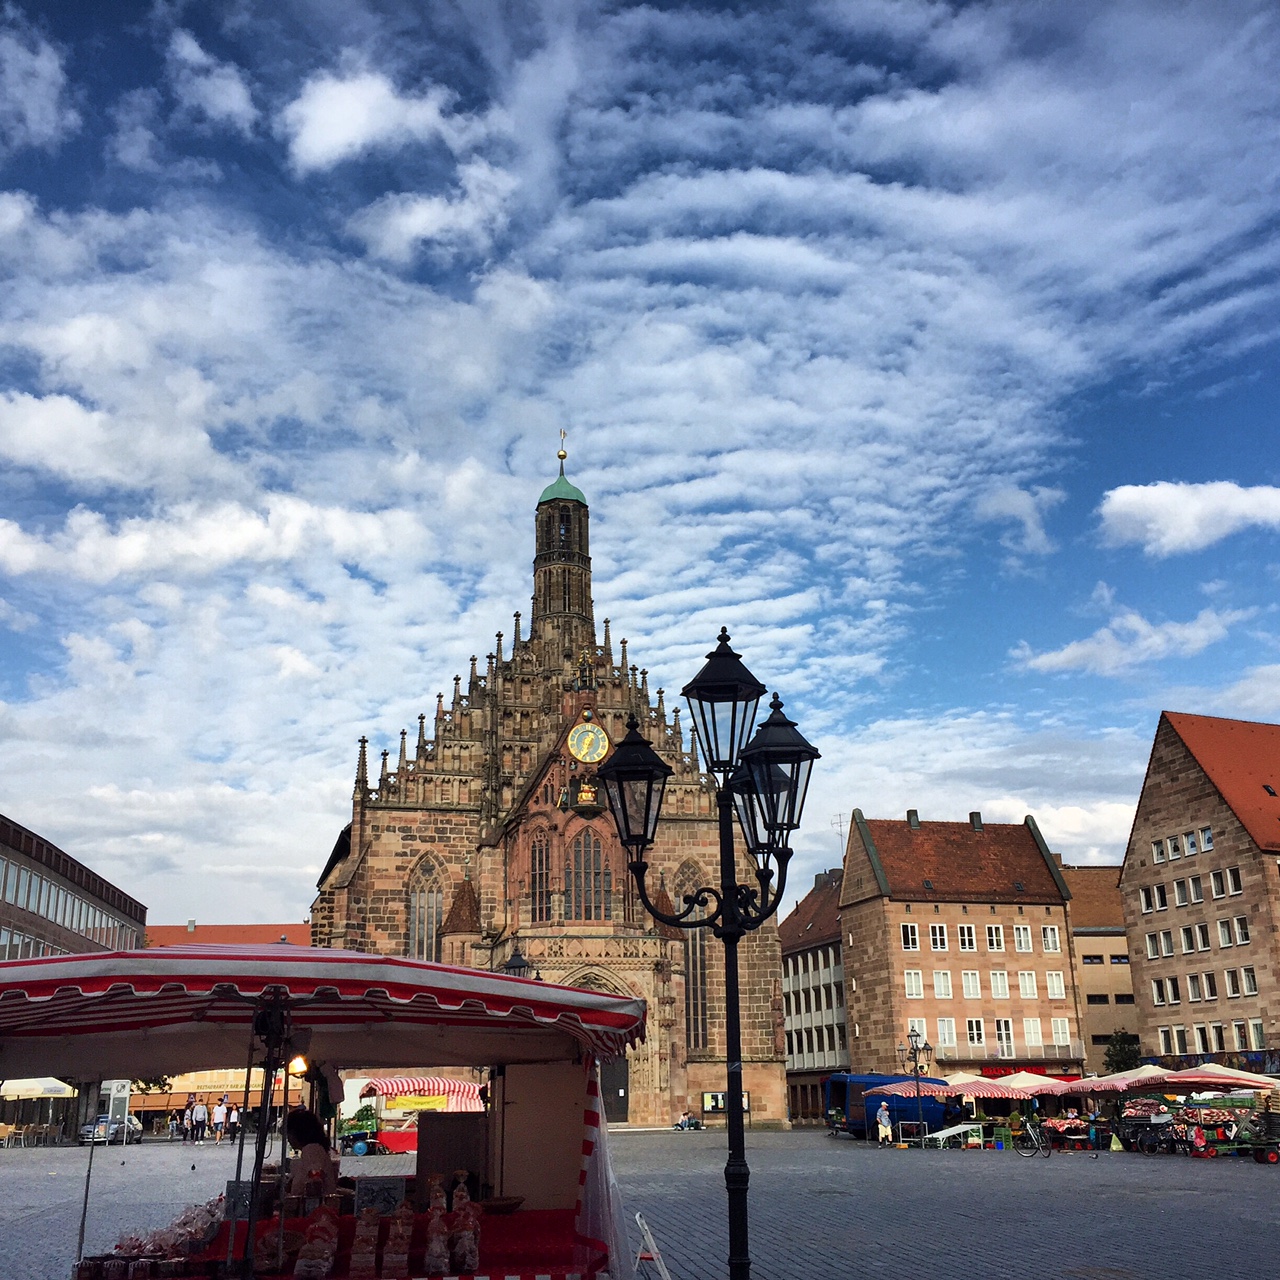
x,y
848,1111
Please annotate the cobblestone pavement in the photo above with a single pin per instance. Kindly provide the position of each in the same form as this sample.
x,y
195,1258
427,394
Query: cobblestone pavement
x,y
821,1209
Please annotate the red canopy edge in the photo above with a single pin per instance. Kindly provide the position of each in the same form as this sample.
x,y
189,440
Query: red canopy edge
x,y
426,1086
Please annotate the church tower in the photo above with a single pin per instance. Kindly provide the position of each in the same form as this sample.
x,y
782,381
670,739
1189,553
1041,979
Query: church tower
x,y
562,608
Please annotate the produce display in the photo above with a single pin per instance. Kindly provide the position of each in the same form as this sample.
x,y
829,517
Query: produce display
x,y
1144,1108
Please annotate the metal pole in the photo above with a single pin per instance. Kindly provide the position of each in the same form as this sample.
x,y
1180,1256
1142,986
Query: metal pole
x,y
737,1175
915,1070
88,1173
244,1112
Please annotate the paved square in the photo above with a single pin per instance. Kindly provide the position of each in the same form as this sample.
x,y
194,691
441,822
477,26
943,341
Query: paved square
x,y
821,1208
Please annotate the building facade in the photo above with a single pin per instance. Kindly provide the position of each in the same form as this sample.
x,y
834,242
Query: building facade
x,y
960,931
813,997
1201,891
488,836
1103,972
52,905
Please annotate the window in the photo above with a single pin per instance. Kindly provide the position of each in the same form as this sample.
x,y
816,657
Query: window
x,y
1162,898
1174,847
1004,1037
968,940
1027,984
1240,1033
1206,838
1180,898
1249,979
1218,884
1175,994
971,984
910,937
918,1026
1242,930
1166,942
1233,983
1031,1032
1124,997
426,914
1189,844
1188,939
1153,946
540,877
1166,1040
995,937
946,1033
1061,1031
942,984
1147,900
1234,883
1022,937
1225,938
914,979
1218,1031
791,1051
1054,985
786,1003
938,937
1180,1039
1097,998
977,1033
999,984
1256,1034
1157,851
588,880
1196,885
1049,933
1193,987
1157,991
1210,986
808,1039
1202,937
1092,960
807,996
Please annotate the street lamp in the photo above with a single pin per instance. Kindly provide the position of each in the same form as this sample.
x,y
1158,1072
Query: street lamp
x,y
765,780
516,965
917,1051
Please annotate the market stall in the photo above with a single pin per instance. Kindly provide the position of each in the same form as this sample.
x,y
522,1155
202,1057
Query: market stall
x,y
543,1155
398,1101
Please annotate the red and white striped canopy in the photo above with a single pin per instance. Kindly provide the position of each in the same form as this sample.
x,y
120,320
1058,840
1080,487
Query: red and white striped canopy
x,y
937,1089
112,1015
464,1092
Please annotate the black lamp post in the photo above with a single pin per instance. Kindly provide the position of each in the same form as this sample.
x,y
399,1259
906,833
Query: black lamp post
x,y
917,1051
765,781
516,965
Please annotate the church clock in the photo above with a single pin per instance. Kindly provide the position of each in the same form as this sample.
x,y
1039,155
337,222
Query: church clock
x,y
588,743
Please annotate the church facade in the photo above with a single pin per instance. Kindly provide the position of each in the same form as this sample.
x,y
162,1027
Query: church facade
x,y
489,837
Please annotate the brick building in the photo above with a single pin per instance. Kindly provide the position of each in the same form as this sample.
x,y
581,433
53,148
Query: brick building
x,y
1201,889
1103,974
488,835
813,997
52,905
960,930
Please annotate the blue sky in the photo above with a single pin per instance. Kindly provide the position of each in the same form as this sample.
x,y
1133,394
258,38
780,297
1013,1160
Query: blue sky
x,y
931,348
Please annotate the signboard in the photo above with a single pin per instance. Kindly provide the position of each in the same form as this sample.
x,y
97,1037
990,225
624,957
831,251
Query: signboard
x,y
715,1104
385,1195
418,1102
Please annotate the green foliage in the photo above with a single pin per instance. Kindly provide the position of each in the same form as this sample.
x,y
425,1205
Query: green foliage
x,y
1122,1053
153,1084
364,1120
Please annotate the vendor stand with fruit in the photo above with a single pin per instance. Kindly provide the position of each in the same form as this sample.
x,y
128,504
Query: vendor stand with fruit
x,y
537,1199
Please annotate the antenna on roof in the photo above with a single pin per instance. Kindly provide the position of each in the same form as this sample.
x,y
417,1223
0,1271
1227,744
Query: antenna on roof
x,y
837,824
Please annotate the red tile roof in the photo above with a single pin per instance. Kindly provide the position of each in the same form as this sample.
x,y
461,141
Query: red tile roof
x,y
1242,759
964,865
816,918
1095,897
464,912
178,935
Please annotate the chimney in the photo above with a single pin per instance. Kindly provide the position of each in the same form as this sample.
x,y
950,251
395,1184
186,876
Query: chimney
x,y
913,819
191,926
975,820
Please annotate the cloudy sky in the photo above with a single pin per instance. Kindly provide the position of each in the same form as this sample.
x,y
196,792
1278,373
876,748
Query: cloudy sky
x,y
930,347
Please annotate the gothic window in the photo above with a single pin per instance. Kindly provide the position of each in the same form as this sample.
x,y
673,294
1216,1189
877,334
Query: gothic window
x,y
566,605
426,915
588,880
540,878
566,528
695,965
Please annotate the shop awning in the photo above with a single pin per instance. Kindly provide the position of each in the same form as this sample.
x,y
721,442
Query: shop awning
x,y
40,1087
1209,1075
167,1010
979,1088
463,1095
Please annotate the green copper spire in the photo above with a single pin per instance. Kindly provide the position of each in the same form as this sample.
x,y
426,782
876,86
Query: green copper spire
x,y
560,488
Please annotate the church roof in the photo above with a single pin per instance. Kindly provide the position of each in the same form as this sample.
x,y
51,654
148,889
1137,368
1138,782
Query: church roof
x,y
1242,759
464,911
561,489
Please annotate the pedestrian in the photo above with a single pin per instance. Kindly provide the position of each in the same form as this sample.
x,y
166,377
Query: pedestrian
x,y
174,1125
233,1122
186,1125
884,1127
219,1122
199,1119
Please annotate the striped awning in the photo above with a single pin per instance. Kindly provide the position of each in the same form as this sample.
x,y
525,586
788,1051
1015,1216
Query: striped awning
x,y
163,1011
422,1086
940,1089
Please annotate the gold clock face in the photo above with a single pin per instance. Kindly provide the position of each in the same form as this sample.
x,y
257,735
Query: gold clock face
x,y
588,743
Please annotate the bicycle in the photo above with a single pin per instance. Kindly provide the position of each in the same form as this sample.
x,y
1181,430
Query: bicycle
x,y
1031,1139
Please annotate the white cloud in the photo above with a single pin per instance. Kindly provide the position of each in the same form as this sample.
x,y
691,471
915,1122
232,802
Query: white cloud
x,y
1026,508
339,117
1168,518
1129,640
34,111
214,91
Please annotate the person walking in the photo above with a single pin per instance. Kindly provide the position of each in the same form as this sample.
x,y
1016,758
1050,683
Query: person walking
x,y
219,1122
884,1127
199,1119
233,1122
186,1124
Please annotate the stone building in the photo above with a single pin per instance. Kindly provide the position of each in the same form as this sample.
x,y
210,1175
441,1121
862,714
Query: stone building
x,y
958,930
487,836
1103,972
813,997
1201,890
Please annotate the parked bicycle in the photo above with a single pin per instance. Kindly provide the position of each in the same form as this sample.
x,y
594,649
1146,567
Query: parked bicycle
x,y
1031,1139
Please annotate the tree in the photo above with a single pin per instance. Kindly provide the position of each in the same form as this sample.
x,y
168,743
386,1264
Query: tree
x,y
153,1084
1122,1053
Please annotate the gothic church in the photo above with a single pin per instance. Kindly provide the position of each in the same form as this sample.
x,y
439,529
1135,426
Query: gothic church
x,y
491,839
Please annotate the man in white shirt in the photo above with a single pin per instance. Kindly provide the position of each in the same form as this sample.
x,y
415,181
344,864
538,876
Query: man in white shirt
x,y
219,1122
199,1119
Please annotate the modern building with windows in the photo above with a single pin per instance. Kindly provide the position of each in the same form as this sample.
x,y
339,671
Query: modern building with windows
x,y
1103,976
53,905
813,997
958,930
1201,893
